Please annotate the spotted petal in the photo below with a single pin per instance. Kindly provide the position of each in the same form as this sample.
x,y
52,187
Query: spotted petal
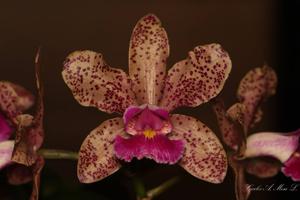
x,y
96,156
277,145
30,132
94,83
6,149
204,156
14,99
229,131
29,138
236,112
25,141
198,78
148,51
257,85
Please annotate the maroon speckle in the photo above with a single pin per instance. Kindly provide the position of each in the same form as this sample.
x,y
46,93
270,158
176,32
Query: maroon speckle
x,y
197,79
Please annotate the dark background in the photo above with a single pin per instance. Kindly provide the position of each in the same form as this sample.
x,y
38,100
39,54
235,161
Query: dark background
x,y
253,32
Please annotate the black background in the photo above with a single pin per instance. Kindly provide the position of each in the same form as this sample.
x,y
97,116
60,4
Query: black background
x,y
253,32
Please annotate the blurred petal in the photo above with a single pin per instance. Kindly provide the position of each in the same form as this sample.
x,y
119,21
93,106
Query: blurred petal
x,y
204,156
25,141
25,98
159,148
256,86
96,156
148,51
277,145
198,78
292,166
6,149
229,132
94,83
14,99
36,170
263,167
5,129
257,117
18,174
30,132
38,121
25,120
242,192
236,112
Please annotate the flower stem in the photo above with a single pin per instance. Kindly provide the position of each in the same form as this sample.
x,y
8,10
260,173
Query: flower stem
x,y
159,189
139,187
162,188
58,154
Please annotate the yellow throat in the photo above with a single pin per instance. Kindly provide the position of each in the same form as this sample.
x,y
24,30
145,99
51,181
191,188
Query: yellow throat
x,y
149,133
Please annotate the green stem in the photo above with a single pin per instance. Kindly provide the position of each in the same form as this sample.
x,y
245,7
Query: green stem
x,y
58,154
139,187
162,188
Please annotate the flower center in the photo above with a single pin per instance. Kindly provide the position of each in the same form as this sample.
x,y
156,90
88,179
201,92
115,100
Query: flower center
x,y
147,120
149,133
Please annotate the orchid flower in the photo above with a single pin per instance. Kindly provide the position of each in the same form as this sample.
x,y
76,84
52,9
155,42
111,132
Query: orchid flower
x,y
145,98
30,135
255,88
26,164
260,149
14,99
282,146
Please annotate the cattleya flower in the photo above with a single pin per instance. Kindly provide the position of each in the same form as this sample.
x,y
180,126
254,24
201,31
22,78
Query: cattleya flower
x,y
21,154
259,154
14,99
145,98
282,146
255,88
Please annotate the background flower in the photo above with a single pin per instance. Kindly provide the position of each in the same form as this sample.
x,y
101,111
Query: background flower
x,y
14,99
263,148
22,152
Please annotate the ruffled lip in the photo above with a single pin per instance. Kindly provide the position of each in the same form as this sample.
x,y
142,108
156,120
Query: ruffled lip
x,y
147,125
159,148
